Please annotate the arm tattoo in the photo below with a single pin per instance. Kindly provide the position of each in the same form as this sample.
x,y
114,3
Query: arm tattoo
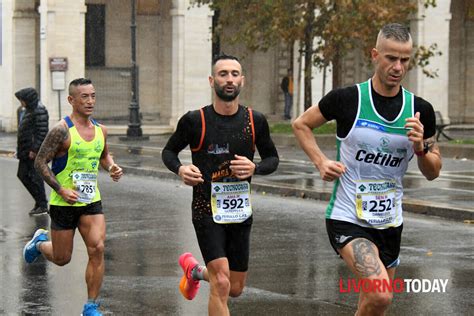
x,y
365,258
49,149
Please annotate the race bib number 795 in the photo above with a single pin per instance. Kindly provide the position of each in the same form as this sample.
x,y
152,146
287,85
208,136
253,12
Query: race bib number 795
x,y
85,184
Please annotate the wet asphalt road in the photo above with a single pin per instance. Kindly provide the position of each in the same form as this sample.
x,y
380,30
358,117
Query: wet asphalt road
x,y
293,269
454,188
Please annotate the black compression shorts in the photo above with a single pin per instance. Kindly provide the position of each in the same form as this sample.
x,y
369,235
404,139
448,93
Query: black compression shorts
x,y
386,240
231,241
67,217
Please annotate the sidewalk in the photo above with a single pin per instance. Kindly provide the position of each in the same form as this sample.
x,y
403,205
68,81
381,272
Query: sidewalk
x,y
450,196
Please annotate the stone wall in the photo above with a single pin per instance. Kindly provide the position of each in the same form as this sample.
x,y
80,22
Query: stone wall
x,y
461,63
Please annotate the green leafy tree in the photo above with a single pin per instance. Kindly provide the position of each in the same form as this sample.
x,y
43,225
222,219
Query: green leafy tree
x,y
327,30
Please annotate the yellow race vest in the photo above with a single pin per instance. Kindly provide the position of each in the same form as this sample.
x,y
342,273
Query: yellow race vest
x,y
78,169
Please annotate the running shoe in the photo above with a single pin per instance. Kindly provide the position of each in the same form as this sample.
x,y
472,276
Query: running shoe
x,y
30,253
38,211
91,309
188,286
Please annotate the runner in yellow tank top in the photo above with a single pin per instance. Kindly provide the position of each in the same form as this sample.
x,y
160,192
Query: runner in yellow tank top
x,y
78,169
77,146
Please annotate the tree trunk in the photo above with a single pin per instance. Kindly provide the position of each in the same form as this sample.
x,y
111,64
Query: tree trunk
x,y
325,68
308,96
336,71
216,39
308,57
336,62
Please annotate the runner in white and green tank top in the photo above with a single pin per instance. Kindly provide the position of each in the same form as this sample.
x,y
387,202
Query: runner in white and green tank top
x,y
376,153
380,127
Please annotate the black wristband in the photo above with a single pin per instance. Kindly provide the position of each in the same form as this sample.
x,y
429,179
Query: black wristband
x,y
256,168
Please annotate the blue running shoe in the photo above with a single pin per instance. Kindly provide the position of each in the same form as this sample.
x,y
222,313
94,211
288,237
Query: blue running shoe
x,y
30,253
91,309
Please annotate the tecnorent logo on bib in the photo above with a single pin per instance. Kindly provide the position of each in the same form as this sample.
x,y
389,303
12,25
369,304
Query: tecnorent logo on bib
x,y
393,286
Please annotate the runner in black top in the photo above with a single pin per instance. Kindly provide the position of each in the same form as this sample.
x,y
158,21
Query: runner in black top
x,y
223,138
225,135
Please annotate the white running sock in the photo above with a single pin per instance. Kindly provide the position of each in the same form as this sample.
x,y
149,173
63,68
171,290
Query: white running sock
x,y
198,272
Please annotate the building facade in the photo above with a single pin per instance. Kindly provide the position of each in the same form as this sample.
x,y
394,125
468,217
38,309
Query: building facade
x,y
93,39
47,43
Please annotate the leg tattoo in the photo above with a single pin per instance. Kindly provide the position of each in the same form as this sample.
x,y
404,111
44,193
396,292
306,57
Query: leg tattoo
x,y
366,262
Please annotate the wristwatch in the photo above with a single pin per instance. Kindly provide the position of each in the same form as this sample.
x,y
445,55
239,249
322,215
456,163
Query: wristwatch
x,y
423,152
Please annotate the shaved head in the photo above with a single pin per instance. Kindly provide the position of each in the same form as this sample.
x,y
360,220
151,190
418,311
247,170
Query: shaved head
x,y
393,31
78,82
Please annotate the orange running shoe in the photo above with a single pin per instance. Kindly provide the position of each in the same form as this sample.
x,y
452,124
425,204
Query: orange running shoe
x,y
188,286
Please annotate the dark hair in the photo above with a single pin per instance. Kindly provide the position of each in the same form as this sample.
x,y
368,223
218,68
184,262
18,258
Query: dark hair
x,y
78,82
223,56
395,31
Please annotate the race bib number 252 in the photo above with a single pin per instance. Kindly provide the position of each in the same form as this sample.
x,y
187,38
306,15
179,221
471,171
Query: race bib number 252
x,y
376,201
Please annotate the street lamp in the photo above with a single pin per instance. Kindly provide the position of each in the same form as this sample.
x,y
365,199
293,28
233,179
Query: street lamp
x,y
134,130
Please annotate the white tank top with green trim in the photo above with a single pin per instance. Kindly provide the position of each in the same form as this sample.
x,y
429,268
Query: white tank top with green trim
x,y
376,153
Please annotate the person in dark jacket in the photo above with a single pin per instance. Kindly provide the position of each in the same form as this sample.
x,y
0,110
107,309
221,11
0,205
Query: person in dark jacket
x,y
287,88
32,129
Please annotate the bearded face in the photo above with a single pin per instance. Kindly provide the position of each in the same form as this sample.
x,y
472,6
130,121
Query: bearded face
x,y
227,79
227,92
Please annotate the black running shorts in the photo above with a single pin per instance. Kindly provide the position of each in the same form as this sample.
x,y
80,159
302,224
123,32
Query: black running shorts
x,y
67,217
387,240
231,241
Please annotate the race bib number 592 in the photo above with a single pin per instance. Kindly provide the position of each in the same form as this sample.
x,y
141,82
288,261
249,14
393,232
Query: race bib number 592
x,y
230,202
